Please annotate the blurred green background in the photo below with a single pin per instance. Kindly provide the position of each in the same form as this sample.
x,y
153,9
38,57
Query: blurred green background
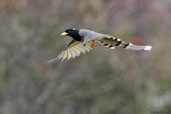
x,y
100,82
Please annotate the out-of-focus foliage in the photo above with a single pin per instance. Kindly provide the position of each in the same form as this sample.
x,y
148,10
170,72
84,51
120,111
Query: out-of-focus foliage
x,y
100,82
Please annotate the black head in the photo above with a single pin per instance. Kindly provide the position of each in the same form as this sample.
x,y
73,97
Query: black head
x,y
74,33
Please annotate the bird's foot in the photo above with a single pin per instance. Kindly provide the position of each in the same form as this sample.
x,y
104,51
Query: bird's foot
x,y
93,43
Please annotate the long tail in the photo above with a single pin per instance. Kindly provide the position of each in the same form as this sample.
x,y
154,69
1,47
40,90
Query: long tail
x,y
137,48
116,42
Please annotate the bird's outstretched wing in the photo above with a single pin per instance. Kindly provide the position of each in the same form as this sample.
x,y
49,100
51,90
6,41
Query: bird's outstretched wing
x,y
74,49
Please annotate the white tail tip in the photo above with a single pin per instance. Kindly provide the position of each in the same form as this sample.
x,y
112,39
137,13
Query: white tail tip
x,y
138,48
148,48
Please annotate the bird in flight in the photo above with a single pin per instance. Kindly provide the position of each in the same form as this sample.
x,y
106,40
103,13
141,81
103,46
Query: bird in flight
x,y
85,40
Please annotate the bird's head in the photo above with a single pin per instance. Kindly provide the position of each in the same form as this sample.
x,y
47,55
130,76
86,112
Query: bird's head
x,y
74,33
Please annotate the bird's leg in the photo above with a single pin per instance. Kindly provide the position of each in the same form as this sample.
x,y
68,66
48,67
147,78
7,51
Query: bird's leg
x,y
93,43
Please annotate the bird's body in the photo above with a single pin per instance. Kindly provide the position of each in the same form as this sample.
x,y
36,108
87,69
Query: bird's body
x,y
85,40
91,35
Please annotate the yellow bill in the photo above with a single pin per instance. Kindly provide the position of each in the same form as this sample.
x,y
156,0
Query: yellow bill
x,y
64,34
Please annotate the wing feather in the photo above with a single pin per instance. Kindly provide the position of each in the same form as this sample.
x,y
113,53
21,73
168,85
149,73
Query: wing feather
x,y
64,55
74,49
69,54
73,53
81,49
